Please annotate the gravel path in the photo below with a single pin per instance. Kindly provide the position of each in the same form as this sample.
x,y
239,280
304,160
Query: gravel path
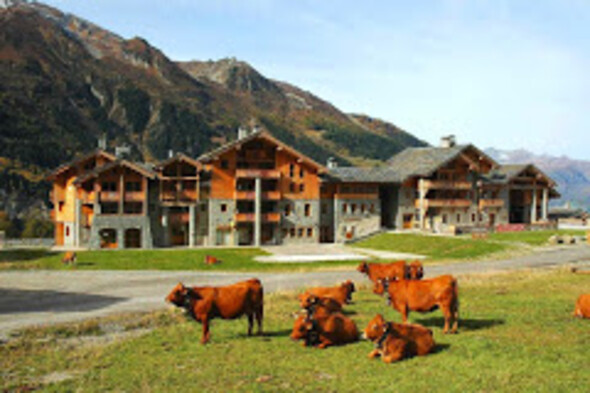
x,y
30,298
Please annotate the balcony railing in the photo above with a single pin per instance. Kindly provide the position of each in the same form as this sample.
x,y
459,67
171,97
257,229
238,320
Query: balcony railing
x,y
106,196
444,203
262,173
483,203
178,196
251,217
134,196
251,195
447,185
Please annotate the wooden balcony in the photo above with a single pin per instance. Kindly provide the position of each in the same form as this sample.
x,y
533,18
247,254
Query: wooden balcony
x,y
134,196
484,203
447,185
444,203
251,195
251,217
178,196
261,173
109,196
356,196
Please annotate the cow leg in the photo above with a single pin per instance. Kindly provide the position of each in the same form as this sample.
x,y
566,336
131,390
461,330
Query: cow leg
x,y
404,311
324,342
259,317
374,353
206,335
394,351
448,315
455,320
250,323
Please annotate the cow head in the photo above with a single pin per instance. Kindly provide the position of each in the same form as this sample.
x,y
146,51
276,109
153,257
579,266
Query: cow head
x,y
416,271
375,329
308,300
301,327
178,295
363,268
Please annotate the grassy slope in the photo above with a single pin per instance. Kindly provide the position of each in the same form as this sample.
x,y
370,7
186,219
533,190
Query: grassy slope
x,y
534,238
516,334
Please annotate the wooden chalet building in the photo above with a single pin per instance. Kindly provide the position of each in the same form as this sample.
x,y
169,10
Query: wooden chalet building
x,y
257,190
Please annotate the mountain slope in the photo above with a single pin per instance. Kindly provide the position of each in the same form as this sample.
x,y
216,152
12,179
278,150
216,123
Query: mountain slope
x,y
65,82
572,176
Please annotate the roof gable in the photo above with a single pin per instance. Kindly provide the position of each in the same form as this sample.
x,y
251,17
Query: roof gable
x,y
136,167
93,154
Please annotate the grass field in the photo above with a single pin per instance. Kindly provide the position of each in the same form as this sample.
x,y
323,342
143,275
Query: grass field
x,y
516,335
533,238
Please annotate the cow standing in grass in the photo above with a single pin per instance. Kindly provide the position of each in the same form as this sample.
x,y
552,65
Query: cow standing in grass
x,y
69,258
424,296
582,308
228,302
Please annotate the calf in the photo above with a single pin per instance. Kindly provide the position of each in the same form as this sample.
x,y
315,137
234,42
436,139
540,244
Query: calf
x,y
69,257
228,302
325,330
394,341
582,308
311,302
415,271
424,296
342,293
376,271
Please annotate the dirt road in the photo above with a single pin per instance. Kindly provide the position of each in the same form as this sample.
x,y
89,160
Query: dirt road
x,y
41,297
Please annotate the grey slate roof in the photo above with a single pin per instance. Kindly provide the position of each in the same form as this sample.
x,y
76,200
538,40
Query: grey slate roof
x,y
361,174
422,161
504,173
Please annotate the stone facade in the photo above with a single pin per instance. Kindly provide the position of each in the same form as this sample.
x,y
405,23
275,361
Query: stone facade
x,y
295,227
356,218
121,223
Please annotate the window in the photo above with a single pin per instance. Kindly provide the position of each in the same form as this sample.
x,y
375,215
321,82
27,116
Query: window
x,y
109,186
458,217
307,210
472,217
362,207
223,207
353,208
60,206
444,218
132,208
67,231
309,232
132,186
287,210
344,208
301,173
291,170
371,208
299,232
292,232
224,164
301,187
291,187
109,208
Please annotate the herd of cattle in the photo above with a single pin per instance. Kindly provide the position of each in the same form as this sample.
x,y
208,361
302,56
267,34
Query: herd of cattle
x,y
322,322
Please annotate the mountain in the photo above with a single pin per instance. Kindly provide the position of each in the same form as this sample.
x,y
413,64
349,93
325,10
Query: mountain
x,y
65,82
572,176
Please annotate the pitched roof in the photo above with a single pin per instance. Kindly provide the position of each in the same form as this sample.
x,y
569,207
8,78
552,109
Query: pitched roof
x,y
256,135
141,168
361,174
422,161
178,157
75,161
506,173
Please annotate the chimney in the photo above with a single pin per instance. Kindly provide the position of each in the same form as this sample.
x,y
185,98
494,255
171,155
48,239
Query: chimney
x,y
122,151
102,142
243,132
447,141
332,163
170,153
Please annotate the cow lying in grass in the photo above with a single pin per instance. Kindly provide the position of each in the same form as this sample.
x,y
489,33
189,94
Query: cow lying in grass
x,y
582,308
323,328
342,293
228,302
376,271
309,302
424,296
394,341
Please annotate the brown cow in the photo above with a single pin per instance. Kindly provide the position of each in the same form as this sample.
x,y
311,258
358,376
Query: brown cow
x,y
582,309
69,257
211,260
395,341
415,271
229,302
424,296
342,293
375,271
325,330
310,302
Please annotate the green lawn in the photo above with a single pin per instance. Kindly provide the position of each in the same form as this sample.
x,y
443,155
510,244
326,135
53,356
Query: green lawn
x,y
516,335
534,238
434,247
236,259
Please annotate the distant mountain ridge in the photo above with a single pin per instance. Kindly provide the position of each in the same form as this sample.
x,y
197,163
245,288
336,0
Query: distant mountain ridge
x,y
572,176
65,82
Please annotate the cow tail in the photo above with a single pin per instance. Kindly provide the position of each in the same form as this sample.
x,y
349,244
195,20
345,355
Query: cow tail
x,y
456,299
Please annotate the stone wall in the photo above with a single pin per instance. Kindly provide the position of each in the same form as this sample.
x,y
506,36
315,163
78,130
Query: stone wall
x,y
218,218
350,225
297,220
121,223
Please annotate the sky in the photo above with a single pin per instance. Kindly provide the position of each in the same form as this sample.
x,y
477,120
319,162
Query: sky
x,y
496,73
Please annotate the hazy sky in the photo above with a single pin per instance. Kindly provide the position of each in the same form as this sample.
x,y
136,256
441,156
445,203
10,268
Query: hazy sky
x,y
507,74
